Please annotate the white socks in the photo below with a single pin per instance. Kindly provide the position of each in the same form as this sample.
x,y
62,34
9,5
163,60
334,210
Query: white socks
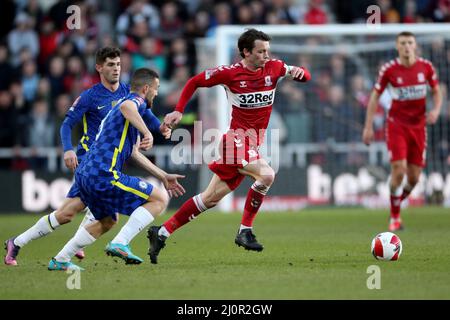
x,y
242,227
80,240
139,219
44,226
88,218
163,232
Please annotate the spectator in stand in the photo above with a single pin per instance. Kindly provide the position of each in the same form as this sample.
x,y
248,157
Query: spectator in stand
x,y
41,132
48,41
222,16
6,70
30,80
244,15
43,92
139,12
23,36
56,76
34,11
282,11
197,26
125,67
19,103
76,71
316,14
358,97
149,56
259,9
171,24
410,12
441,12
66,49
180,54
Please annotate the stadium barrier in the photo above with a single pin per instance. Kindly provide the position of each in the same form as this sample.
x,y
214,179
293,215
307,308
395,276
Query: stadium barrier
x,y
300,182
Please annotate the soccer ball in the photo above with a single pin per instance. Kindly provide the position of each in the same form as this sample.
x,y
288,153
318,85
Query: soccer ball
x,y
386,246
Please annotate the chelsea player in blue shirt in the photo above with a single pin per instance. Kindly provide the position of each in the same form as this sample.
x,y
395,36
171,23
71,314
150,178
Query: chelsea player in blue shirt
x,y
106,190
90,108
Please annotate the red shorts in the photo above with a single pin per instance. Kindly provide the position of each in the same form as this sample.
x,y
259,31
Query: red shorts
x,y
236,151
406,143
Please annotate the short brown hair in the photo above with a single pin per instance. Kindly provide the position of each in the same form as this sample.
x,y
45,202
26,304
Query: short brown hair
x,y
247,40
405,34
106,52
142,77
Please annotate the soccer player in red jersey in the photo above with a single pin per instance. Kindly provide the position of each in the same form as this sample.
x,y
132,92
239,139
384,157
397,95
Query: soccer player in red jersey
x,y
250,86
406,139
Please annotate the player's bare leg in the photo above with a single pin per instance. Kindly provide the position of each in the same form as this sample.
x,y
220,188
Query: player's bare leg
x,y
43,227
412,178
139,219
264,176
216,190
83,237
398,171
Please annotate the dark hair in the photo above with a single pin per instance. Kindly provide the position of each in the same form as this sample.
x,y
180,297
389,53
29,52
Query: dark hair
x,y
142,77
405,34
106,52
247,40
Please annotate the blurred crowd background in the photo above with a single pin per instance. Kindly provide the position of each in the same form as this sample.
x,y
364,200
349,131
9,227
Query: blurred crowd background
x,y
44,66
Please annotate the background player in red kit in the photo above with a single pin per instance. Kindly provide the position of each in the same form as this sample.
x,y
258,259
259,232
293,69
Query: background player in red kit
x,y
250,86
407,76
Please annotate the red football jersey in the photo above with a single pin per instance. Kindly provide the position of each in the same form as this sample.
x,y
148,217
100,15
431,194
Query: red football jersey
x,y
408,89
250,93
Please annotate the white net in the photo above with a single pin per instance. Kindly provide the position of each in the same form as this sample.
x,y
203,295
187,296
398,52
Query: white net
x,y
320,123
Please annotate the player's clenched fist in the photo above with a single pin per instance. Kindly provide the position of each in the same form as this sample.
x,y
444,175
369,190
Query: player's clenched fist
x,y
173,118
70,159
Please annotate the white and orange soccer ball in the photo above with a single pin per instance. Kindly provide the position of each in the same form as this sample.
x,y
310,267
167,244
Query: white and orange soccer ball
x,y
386,246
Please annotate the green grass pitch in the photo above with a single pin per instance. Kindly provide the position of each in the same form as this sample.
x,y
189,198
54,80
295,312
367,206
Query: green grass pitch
x,y
310,254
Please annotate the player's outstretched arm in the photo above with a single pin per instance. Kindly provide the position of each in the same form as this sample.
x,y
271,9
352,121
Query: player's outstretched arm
x,y
170,181
367,135
73,116
433,114
130,112
207,78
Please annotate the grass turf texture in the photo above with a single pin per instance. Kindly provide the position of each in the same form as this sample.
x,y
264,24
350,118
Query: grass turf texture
x,y
311,254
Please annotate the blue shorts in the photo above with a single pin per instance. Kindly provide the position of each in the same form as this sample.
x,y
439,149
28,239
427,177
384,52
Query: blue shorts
x,y
105,196
74,191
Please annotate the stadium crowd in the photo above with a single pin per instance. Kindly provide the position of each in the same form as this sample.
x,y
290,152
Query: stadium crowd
x,y
44,66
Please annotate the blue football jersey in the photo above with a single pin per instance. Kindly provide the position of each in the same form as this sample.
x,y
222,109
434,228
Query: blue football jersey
x,y
114,141
90,107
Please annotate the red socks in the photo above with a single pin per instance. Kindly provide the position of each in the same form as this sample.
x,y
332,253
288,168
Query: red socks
x,y
194,206
255,197
187,212
395,206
